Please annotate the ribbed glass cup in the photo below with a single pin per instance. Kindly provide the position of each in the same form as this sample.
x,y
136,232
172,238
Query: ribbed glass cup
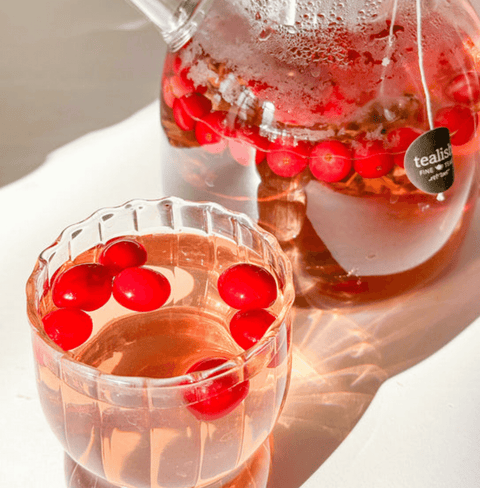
x,y
139,432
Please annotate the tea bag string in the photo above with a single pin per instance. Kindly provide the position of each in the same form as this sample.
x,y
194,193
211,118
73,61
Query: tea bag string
x,y
420,64
388,54
440,196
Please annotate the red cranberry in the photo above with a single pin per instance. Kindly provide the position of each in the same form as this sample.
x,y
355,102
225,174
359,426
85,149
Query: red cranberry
x,y
460,121
181,85
260,156
173,61
249,326
287,160
210,132
464,88
215,398
176,63
189,108
122,253
247,286
167,92
84,286
141,289
399,140
68,327
371,160
330,161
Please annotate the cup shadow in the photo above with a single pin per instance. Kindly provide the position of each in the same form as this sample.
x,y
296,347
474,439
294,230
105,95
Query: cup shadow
x,y
340,360
254,474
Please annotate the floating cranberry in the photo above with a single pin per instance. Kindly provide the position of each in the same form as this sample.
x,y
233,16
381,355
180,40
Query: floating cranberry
x,y
249,326
371,159
176,63
210,132
247,286
287,160
399,140
260,156
215,398
84,286
330,161
460,121
464,88
141,289
189,108
68,327
181,85
173,61
122,253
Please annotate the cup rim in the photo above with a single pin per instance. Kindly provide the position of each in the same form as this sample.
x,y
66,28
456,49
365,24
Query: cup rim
x,y
231,366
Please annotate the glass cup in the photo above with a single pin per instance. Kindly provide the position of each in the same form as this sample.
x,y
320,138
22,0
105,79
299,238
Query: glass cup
x,y
121,420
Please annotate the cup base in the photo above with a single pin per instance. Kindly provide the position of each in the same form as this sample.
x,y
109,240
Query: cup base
x,y
253,474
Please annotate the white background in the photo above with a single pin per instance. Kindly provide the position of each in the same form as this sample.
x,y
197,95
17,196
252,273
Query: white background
x,y
385,398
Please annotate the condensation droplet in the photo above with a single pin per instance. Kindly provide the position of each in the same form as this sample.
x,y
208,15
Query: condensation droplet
x,y
316,70
353,272
393,198
265,34
423,206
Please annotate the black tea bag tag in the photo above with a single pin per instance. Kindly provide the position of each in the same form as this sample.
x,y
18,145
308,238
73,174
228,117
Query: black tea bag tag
x,y
429,161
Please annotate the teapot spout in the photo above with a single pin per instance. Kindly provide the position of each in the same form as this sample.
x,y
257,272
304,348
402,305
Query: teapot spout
x,y
177,20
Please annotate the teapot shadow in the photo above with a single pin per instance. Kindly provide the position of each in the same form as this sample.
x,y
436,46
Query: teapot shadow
x,y
341,359
70,73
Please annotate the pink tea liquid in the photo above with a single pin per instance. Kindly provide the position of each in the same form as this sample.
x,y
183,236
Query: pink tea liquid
x,y
365,232
140,439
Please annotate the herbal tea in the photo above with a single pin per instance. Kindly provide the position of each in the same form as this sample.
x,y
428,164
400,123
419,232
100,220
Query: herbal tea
x,y
305,127
172,356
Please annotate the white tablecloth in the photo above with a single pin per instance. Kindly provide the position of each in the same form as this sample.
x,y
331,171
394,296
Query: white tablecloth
x,y
81,131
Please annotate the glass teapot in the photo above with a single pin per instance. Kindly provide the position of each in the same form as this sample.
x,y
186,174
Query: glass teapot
x,y
348,129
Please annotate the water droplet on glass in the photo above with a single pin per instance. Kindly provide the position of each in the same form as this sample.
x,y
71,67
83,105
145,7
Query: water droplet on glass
x,y
394,198
389,115
265,34
423,206
315,70
210,181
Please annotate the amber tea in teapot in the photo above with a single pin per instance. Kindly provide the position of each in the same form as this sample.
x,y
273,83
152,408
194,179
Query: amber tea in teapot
x,y
347,129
